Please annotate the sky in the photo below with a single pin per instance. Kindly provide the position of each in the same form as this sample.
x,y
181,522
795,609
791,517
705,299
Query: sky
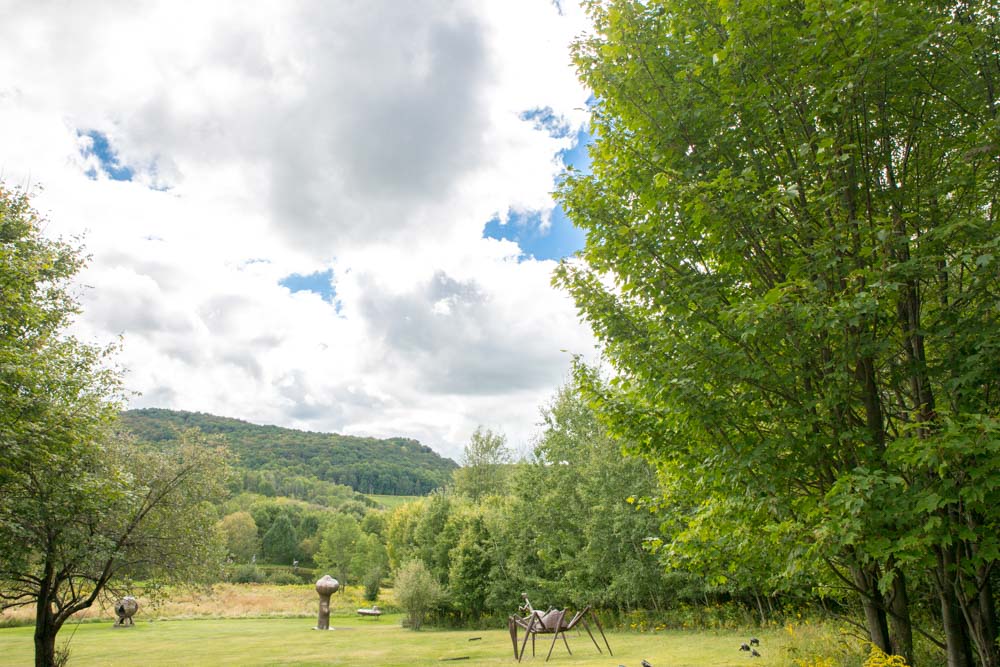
x,y
332,215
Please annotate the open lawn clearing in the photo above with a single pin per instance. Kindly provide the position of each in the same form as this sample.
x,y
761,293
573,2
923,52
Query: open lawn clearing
x,y
382,643
392,502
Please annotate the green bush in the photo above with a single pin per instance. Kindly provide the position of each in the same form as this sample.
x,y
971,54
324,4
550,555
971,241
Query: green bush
x,y
372,583
283,578
247,574
417,591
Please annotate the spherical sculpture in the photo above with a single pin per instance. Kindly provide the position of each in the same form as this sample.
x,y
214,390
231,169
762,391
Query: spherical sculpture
x,y
326,587
125,609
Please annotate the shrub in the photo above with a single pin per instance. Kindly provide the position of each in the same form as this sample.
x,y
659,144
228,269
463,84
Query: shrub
x,y
417,591
284,578
248,574
879,658
373,582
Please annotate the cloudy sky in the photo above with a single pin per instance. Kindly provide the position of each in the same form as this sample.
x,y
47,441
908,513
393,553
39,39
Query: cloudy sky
x,y
325,214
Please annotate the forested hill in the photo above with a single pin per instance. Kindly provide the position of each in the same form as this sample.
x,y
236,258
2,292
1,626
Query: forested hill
x,y
395,466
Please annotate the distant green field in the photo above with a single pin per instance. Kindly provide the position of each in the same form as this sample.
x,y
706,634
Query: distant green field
x,y
378,643
392,502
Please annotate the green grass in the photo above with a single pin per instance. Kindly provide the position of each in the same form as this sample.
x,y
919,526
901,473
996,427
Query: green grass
x,y
375,643
392,502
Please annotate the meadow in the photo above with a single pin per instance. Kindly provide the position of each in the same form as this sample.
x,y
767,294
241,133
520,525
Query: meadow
x,y
272,625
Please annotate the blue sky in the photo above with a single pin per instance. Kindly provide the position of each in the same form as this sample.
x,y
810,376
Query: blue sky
x,y
561,238
320,282
107,157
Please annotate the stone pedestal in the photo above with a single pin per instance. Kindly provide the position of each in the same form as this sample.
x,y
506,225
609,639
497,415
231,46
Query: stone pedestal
x,y
326,587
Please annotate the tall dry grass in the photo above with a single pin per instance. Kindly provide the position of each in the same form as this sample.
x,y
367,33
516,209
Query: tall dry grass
x,y
223,601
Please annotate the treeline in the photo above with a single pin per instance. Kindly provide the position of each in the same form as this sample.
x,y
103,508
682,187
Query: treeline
x,y
572,525
290,458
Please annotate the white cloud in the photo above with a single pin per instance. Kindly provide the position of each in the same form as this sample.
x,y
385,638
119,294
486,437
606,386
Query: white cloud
x,y
372,138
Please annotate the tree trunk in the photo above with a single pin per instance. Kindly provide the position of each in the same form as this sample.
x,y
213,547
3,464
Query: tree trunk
x,y
899,620
760,608
956,639
980,618
988,616
874,608
45,645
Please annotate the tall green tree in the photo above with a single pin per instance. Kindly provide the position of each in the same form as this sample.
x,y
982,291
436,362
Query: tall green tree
x,y
791,261
338,546
81,507
577,538
280,543
485,464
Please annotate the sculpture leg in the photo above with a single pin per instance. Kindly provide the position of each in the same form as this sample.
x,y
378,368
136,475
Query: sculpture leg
x,y
603,636
587,628
512,629
527,631
558,626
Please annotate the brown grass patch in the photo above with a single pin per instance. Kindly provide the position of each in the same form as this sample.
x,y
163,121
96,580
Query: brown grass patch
x,y
224,601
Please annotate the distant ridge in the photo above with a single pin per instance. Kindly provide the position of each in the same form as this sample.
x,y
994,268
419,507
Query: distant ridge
x,y
391,466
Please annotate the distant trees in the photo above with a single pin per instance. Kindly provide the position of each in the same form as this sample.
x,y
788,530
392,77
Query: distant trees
x,y
309,466
562,530
337,546
280,543
239,533
80,505
484,465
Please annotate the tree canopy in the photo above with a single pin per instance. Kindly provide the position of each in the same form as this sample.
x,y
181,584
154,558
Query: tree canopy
x,y
791,262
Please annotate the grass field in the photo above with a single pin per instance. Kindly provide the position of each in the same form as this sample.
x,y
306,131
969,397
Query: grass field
x,y
377,643
392,502
262,624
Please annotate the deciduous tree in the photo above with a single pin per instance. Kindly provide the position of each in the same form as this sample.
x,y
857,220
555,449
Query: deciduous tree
x,y
791,260
80,505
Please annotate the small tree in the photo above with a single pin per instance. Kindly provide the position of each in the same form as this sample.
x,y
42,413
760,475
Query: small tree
x,y
81,505
416,591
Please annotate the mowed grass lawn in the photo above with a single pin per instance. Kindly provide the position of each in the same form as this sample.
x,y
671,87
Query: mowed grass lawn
x,y
375,643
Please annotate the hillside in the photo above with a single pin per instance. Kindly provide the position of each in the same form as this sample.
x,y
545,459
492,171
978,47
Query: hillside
x,y
393,466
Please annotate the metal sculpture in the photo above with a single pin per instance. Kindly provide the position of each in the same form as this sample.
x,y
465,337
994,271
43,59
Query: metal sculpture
x,y
125,609
326,587
551,622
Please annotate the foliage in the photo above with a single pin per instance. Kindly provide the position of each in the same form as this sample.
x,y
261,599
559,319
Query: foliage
x,y
485,463
338,546
416,591
239,533
372,583
247,574
281,461
570,533
792,270
472,565
83,508
284,578
280,543
879,658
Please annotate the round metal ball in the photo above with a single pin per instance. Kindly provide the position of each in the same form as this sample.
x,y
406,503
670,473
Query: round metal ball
x,y
327,585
